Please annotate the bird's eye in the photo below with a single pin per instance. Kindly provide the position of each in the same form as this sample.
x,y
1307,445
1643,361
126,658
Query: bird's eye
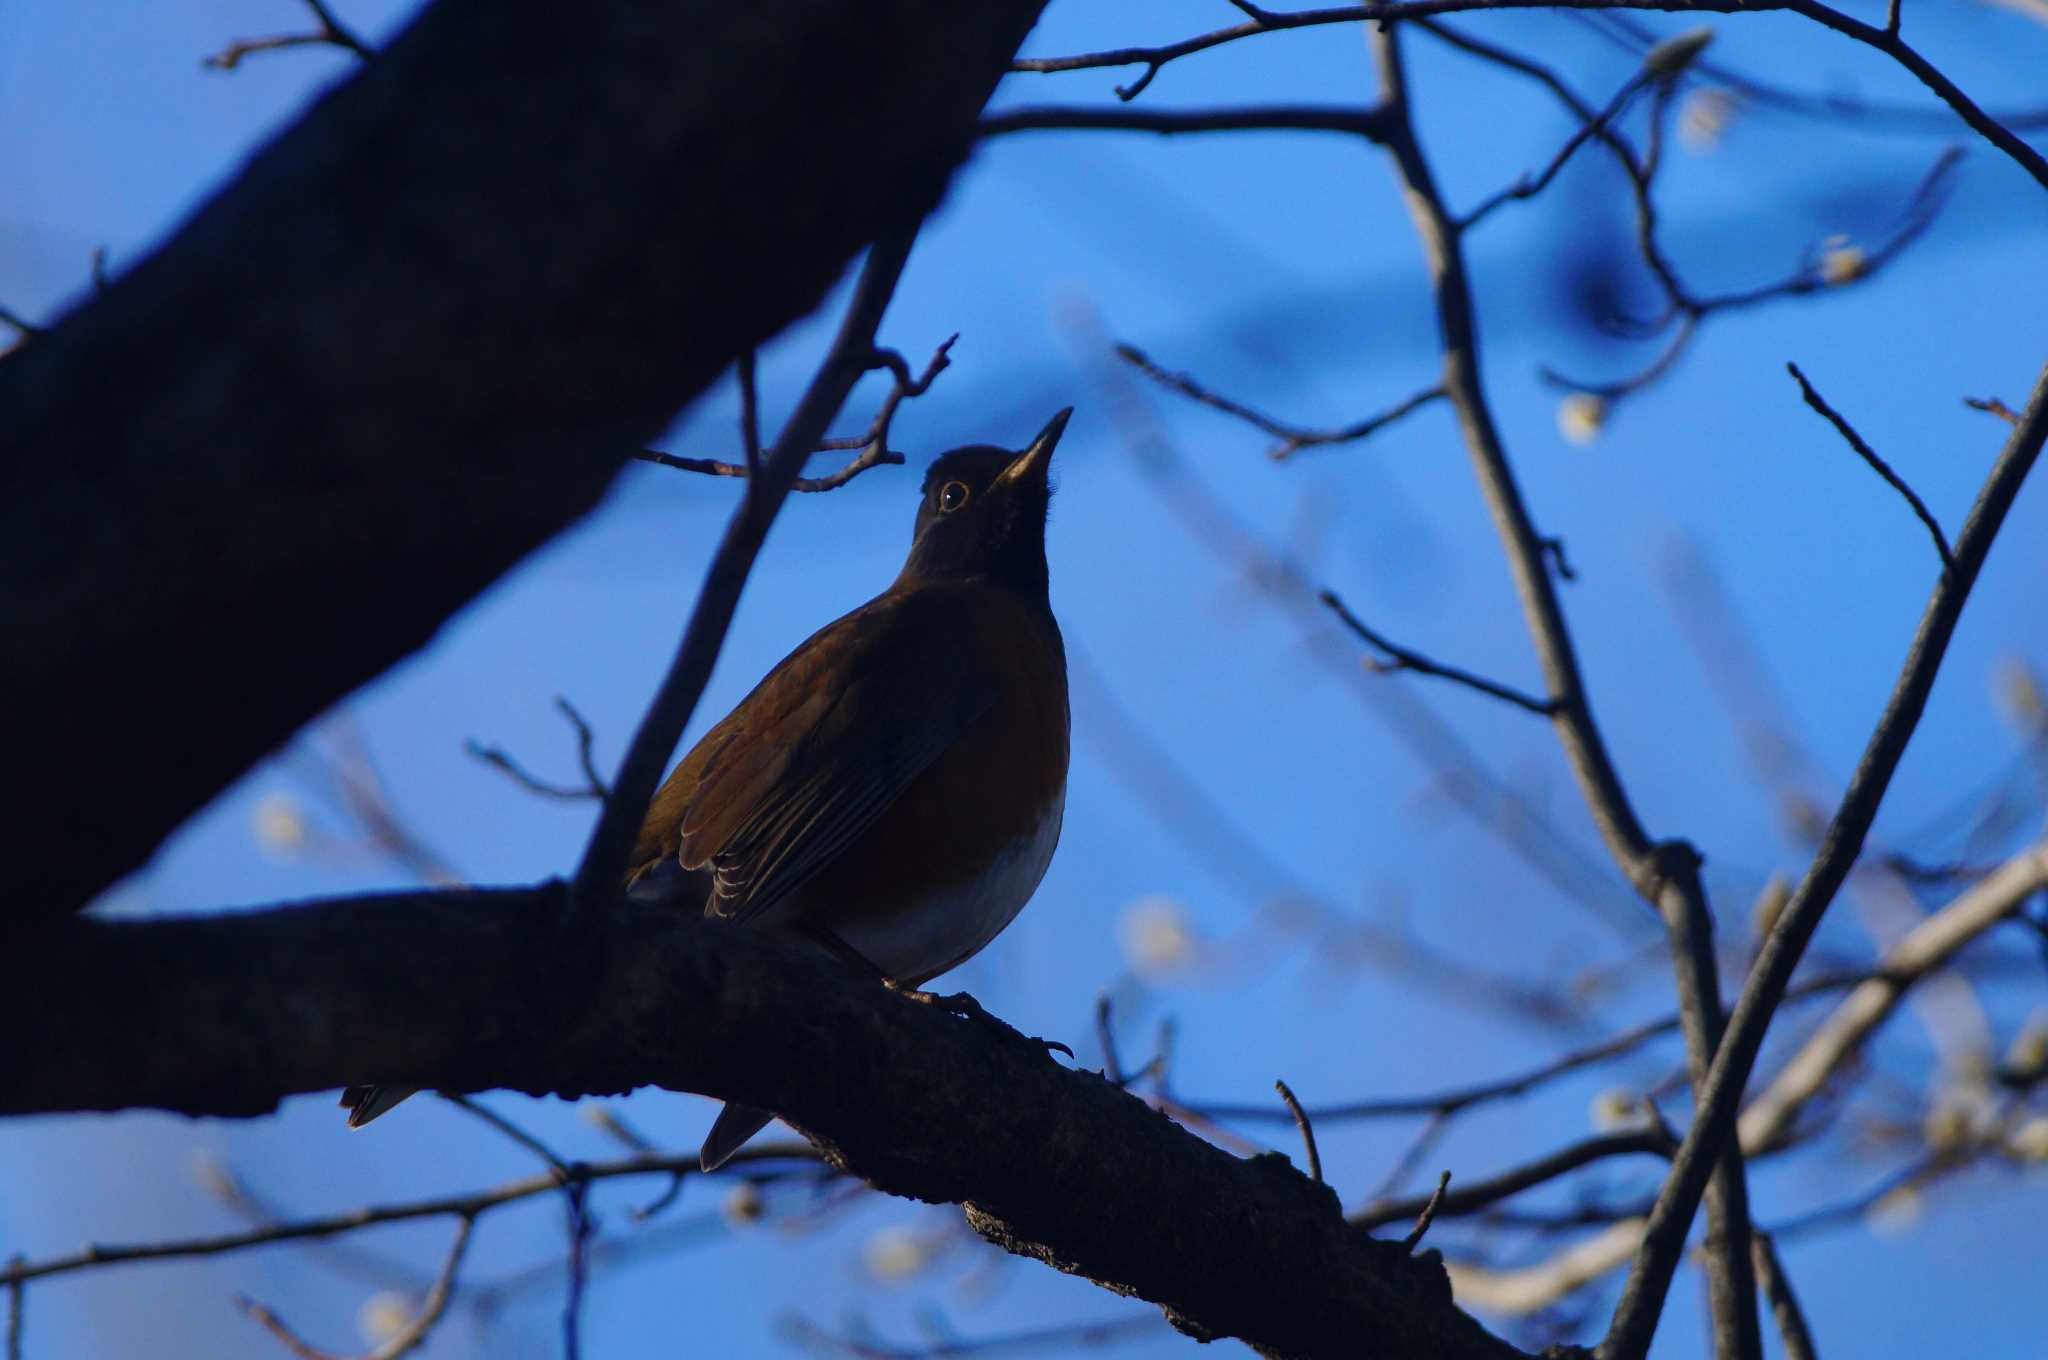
x,y
952,496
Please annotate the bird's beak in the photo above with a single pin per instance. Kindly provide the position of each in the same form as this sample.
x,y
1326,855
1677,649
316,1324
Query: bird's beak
x,y
1036,459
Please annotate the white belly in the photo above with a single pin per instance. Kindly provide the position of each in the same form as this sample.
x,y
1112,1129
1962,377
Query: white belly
x,y
956,924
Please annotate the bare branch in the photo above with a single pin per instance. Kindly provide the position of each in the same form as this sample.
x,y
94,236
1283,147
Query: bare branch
x,y
17,1306
1473,1197
1263,118
1293,438
1993,406
403,1342
1428,1214
1308,1133
1877,464
593,782
1770,1271
1403,659
1459,1098
873,445
941,1110
473,1205
1925,948
1529,186
331,32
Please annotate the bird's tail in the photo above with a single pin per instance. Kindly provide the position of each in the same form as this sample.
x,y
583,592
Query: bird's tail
x,y
735,1125
365,1103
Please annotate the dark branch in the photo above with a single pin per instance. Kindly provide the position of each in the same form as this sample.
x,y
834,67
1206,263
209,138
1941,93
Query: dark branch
x,y
1458,1098
1307,1130
1293,438
1770,1271
873,445
1365,123
1477,1195
1877,464
1428,1214
1406,660
244,1010
593,782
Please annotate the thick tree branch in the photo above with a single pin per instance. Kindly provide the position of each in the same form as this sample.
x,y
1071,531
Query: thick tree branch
x,y
468,990
414,338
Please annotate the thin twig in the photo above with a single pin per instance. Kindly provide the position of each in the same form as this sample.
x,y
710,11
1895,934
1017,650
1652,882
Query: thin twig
x,y
1405,659
1530,186
1356,122
593,782
1877,464
1477,1195
331,32
472,1205
1459,1098
576,1202
873,444
17,1308
750,414
406,1339
1293,438
580,1230
1770,1271
1993,406
1308,1133
1105,1034
1428,1214
1425,1140
511,1130
604,859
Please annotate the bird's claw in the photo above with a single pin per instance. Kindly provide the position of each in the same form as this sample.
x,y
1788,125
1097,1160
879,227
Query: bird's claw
x,y
967,1008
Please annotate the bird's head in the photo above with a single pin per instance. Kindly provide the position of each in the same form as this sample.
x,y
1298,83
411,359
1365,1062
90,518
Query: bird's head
x,y
983,514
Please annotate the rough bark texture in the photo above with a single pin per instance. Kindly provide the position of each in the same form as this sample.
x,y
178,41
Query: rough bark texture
x,y
411,340
467,991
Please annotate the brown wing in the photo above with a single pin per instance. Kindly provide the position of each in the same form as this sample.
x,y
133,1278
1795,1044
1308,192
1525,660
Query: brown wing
x,y
813,756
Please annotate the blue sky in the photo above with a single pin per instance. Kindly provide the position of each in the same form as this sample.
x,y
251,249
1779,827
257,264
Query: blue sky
x,y
1281,269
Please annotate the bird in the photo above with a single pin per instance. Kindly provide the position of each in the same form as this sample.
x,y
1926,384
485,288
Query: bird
x,y
893,790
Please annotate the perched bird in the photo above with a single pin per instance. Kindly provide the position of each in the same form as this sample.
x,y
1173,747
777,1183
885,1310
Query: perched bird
x,y
893,789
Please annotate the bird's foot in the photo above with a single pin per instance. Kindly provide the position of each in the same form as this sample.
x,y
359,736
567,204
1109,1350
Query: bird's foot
x,y
967,1008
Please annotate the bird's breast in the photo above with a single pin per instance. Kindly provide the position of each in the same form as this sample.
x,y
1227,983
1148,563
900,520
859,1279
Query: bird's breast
x,y
950,923
956,856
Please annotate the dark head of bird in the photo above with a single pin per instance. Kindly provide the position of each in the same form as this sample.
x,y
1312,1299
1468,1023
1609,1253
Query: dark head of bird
x,y
983,515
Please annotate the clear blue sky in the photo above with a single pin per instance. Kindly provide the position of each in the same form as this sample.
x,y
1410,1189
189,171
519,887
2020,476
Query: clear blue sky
x,y
1282,269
